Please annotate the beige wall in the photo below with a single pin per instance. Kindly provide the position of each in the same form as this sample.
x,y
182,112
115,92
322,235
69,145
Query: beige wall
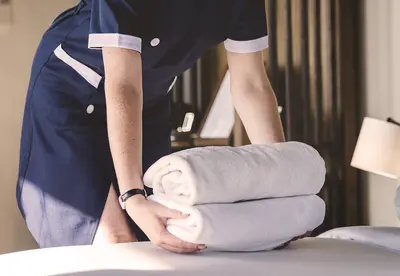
x,y
30,19
382,83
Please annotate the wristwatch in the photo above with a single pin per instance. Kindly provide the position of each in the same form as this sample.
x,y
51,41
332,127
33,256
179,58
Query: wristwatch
x,y
128,194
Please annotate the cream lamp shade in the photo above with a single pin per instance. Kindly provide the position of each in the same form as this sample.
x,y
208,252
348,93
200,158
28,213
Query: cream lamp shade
x,y
378,148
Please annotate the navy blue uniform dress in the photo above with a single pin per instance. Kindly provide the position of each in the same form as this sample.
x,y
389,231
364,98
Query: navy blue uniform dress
x,y
66,167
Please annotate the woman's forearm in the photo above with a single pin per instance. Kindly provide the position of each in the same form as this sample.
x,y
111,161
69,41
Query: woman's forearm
x,y
124,119
254,98
124,98
257,109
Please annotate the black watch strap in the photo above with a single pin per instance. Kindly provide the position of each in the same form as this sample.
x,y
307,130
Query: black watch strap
x,y
128,194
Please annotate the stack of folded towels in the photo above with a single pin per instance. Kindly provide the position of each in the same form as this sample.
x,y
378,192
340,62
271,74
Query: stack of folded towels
x,y
248,198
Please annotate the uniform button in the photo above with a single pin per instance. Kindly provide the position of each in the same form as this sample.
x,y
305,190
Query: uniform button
x,y
154,42
90,109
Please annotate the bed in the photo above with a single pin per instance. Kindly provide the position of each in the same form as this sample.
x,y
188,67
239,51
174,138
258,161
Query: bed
x,y
310,256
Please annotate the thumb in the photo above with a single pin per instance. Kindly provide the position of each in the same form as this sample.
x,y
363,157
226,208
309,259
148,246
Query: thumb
x,y
168,213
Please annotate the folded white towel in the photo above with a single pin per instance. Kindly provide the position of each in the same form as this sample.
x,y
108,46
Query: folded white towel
x,y
230,174
246,226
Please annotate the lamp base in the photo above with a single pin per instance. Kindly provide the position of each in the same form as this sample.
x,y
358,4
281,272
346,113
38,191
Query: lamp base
x,y
390,120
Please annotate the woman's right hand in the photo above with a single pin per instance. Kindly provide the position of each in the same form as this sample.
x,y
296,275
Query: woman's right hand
x,y
152,218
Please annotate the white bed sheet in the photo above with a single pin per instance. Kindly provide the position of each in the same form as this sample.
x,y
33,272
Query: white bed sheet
x,y
308,257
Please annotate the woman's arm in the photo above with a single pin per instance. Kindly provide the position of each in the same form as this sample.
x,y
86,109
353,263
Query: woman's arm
x,y
116,28
254,98
124,116
124,98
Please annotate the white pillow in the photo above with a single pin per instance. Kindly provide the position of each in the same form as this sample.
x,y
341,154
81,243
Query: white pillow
x,y
386,237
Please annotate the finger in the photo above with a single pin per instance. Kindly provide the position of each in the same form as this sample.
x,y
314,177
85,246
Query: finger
x,y
168,238
176,249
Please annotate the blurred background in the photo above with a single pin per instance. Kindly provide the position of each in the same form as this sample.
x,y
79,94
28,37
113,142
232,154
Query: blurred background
x,y
331,63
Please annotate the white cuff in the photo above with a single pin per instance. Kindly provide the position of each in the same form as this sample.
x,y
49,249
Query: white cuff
x,y
248,46
98,41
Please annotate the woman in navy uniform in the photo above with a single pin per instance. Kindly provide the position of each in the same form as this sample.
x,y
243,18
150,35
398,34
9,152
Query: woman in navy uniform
x,y
98,109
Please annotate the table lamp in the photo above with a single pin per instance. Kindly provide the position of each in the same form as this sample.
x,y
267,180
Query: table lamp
x,y
377,151
378,148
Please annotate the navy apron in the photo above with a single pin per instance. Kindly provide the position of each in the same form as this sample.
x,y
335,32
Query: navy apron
x,y
66,168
